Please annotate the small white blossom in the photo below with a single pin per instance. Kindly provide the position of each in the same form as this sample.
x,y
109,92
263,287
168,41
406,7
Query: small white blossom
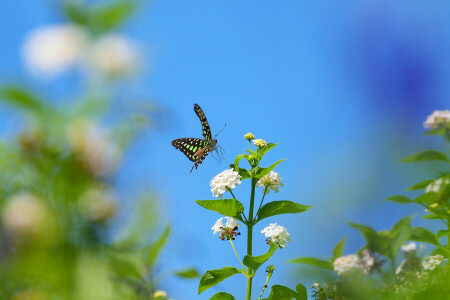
x,y
227,179
98,204
114,55
347,263
272,181
159,293
259,142
276,234
438,185
431,262
227,231
53,49
436,118
409,247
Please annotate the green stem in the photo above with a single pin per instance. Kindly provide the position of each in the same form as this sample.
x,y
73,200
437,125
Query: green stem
x,y
262,200
265,284
250,238
235,252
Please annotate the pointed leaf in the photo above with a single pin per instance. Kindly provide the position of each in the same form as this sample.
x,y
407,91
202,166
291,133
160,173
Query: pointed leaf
x,y
421,185
227,207
280,292
431,216
213,277
339,249
261,151
112,14
153,250
400,234
20,97
238,159
281,207
399,199
426,155
427,198
421,234
222,296
302,293
243,172
188,273
261,172
312,261
375,242
442,233
255,262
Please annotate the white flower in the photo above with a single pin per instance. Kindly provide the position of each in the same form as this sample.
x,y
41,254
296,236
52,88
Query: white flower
x,y
227,231
431,262
436,118
347,263
272,181
114,55
276,234
53,49
259,142
93,144
159,293
227,179
98,204
24,214
409,247
437,185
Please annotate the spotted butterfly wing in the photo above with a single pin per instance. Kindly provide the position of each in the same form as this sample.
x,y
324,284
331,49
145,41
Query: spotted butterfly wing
x,y
196,149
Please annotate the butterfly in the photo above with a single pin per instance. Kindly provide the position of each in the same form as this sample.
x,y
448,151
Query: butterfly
x,y
196,149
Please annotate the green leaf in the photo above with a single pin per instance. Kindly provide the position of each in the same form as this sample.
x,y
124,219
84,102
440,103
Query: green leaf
x,y
399,199
222,296
427,198
281,207
436,131
261,172
238,159
442,233
243,172
261,151
421,185
312,261
375,242
213,277
76,12
110,15
339,249
302,293
400,234
188,273
255,262
227,207
153,251
426,155
280,292
21,98
431,216
421,234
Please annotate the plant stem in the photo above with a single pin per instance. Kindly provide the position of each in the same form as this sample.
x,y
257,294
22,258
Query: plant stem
x,y
250,238
265,284
262,200
235,252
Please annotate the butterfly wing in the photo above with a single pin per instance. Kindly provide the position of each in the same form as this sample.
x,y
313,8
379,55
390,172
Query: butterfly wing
x,y
205,125
190,146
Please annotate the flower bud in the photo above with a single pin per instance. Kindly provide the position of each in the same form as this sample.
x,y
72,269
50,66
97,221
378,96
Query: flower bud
x,y
249,136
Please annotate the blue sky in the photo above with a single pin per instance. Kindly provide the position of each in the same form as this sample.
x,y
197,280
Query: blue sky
x,y
344,88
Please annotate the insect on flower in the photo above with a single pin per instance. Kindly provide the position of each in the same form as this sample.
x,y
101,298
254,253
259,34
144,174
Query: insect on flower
x,y
197,149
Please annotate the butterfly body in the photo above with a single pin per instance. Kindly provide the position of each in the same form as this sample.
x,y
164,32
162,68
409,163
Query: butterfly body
x,y
197,149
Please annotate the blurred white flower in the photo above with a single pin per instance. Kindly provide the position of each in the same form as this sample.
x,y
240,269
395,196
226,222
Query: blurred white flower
x,y
409,247
272,181
53,49
95,147
276,234
114,56
24,214
159,293
227,231
259,142
436,118
431,262
347,263
399,269
227,179
98,204
438,185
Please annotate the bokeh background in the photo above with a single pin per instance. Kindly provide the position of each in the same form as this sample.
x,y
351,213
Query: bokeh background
x,y
344,87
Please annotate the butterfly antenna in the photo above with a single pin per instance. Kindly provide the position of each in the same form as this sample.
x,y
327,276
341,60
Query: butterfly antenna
x,y
220,130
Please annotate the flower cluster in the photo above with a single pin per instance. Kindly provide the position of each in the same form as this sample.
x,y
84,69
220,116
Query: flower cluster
x,y
431,262
437,118
249,136
271,181
438,185
259,143
276,234
227,231
228,179
353,263
409,247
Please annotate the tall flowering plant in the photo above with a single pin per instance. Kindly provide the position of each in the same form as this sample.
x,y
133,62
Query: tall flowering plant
x,y
238,218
